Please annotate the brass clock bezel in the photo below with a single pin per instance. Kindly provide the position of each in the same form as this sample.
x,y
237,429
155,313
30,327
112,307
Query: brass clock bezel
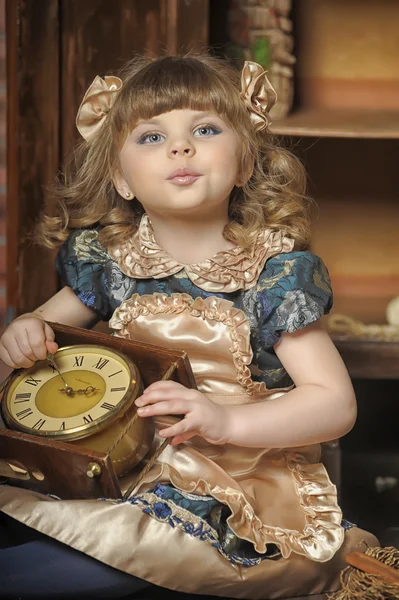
x,y
86,429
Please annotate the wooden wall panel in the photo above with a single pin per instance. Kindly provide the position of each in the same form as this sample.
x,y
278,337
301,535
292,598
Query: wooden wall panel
x,y
99,36
55,49
187,25
32,145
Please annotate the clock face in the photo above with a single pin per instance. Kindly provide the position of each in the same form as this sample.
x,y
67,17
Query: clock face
x,y
97,384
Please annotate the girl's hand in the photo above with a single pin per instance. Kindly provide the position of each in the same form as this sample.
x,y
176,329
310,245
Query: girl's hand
x,y
201,416
26,340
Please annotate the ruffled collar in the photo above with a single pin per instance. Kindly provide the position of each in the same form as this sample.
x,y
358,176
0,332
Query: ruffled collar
x,y
227,271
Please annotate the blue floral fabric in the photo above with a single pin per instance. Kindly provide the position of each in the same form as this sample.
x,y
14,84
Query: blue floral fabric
x,y
201,517
292,291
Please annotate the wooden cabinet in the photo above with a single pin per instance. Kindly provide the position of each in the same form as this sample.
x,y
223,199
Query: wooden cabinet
x,y
347,114
347,81
345,128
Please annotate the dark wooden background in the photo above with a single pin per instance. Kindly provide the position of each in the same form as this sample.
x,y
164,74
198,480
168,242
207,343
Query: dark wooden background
x,y
55,48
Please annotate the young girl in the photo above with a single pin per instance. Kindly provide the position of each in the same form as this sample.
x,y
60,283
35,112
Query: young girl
x,y
184,226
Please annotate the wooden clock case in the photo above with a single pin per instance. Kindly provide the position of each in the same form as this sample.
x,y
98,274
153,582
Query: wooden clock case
x,y
60,468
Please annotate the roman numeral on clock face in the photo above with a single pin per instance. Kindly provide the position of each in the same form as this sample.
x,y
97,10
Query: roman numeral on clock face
x,y
120,389
101,363
78,361
88,419
116,373
22,398
32,381
22,414
107,406
39,424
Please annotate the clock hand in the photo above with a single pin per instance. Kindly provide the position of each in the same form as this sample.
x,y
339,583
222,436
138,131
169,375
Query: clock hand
x,y
89,390
68,389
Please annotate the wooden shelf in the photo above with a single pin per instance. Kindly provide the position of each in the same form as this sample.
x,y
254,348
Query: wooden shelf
x,y
369,360
340,123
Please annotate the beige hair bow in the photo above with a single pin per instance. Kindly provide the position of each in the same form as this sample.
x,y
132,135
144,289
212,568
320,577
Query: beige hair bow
x,y
96,104
258,94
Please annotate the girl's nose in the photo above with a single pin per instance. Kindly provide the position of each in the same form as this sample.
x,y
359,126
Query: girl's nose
x,y
181,148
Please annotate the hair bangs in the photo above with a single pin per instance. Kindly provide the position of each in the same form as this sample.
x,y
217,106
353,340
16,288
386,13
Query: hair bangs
x,y
173,83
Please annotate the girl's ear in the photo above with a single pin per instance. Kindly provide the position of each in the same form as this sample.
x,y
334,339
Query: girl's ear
x,y
122,186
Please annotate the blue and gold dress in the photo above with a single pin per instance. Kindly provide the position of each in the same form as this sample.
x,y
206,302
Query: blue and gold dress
x,y
211,519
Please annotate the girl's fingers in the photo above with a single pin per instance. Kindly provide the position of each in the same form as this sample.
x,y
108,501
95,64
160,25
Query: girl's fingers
x,y
49,333
6,358
158,395
179,439
24,342
37,343
164,385
173,407
51,347
17,355
182,428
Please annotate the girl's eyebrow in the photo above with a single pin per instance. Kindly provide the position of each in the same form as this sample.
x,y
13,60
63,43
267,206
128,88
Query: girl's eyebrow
x,y
201,115
156,120
153,121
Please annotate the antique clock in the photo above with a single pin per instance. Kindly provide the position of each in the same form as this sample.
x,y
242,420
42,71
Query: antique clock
x,y
84,394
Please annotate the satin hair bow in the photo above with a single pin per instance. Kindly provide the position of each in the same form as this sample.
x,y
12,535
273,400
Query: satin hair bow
x,y
258,94
96,104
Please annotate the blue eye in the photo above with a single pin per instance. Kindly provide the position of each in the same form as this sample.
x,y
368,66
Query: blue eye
x,y
206,130
150,138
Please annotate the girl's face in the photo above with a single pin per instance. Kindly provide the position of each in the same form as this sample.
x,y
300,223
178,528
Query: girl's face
x,y
183,162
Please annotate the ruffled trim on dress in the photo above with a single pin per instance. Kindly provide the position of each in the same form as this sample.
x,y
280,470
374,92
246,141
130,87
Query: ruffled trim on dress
x,y
211,308
322,534
227,271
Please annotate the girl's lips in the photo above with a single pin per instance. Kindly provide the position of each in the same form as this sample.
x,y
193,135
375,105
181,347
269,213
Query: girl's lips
x,y
183,176
183,172
183,179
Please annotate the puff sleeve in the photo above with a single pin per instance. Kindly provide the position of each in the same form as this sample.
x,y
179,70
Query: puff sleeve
x,y
81,263
296,291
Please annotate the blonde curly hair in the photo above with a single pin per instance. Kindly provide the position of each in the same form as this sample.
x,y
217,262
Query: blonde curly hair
x,y
273,194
